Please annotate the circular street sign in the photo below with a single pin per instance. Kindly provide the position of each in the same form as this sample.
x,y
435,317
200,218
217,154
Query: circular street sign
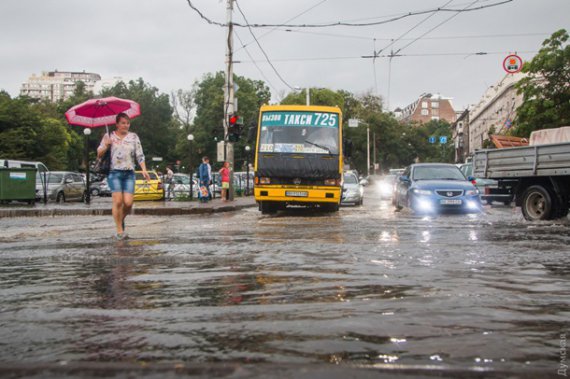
x,y
512,64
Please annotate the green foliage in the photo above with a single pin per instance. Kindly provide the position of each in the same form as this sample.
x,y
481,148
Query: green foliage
x,y
155,126
546,89
207,126
28,131
318,96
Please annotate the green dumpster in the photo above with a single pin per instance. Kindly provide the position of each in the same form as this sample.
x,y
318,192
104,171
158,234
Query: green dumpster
x,y
18,184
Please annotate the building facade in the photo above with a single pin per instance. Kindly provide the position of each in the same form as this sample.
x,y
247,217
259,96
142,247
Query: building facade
x,y
495,112
460,136
57,85
426,108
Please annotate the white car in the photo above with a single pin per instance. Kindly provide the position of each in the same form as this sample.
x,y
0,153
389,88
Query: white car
x,y
352,190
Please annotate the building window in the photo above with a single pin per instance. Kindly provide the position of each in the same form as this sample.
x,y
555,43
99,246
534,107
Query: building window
x,y
436,118
425,112
435,112
435,104
424,104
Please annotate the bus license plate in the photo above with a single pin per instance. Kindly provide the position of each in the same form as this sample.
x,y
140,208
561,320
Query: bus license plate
x,y
450,202
296,193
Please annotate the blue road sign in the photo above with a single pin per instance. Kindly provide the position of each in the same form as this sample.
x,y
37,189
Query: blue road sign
x,y
431,139
443,140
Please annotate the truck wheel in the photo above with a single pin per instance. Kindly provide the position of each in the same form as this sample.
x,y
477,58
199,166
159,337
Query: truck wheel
x,y
537,203
560,210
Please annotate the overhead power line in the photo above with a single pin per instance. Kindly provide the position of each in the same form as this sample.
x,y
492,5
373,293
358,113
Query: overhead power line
x,y
289,20
263,51
343,23
464,54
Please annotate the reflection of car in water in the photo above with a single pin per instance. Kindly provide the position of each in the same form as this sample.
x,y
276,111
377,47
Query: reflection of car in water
x,y
148,190
352,190
489,189
436,187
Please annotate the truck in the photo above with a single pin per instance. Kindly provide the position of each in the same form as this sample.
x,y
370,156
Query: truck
x,y
537,175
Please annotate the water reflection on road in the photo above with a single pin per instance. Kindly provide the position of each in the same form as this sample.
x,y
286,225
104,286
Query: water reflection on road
x,y
366,285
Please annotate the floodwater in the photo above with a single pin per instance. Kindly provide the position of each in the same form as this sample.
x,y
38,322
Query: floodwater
x,y
366,286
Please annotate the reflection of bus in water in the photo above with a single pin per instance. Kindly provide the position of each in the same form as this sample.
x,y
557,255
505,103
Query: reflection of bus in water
x,y
298,158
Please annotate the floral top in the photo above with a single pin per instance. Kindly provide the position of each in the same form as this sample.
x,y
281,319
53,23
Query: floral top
x,y
124,151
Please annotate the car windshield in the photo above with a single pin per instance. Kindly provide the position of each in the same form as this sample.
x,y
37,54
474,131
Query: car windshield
x,y
437,173
153,176
51,178
299,132
350,179
181,179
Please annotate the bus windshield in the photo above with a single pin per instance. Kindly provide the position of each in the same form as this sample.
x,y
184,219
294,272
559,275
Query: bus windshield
x,y
299,132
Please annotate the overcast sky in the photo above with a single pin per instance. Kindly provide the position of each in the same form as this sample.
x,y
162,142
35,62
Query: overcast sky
x,y
167,43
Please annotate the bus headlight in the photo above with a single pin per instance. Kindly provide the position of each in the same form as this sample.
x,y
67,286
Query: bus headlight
x,y
264,180
332,182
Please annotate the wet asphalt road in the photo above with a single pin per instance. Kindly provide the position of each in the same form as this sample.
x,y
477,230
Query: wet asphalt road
x,y
366,286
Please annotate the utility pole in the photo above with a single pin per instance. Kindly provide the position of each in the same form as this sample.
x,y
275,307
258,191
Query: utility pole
x,y
374,152
367,150
229,93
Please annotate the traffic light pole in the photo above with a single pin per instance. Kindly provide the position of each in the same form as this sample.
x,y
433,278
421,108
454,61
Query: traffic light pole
x,y
229,94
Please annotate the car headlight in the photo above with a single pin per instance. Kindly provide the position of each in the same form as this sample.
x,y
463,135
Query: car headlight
x,y
418,191
473,192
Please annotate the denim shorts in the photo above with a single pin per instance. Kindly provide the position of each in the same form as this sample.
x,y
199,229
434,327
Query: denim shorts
x,y
121,181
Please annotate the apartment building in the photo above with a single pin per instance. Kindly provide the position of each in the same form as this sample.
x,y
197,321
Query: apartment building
x,y
57,85
426,108
495,111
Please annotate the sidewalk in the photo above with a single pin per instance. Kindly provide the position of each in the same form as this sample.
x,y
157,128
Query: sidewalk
x,y
102,206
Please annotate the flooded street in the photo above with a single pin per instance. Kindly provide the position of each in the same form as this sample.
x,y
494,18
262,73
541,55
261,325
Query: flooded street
x,y
365,286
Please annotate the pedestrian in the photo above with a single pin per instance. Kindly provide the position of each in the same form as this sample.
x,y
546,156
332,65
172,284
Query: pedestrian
x,y
225,174
169,182
205,179
126,152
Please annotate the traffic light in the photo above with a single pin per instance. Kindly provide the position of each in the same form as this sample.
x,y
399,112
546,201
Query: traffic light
x,y
235,124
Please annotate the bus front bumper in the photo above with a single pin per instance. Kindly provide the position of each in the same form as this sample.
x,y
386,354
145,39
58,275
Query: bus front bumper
x,y
298,194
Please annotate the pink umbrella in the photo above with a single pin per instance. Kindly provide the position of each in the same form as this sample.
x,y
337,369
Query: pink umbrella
x,y
101,112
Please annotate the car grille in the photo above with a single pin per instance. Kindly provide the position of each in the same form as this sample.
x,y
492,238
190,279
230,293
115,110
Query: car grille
x,y
449,193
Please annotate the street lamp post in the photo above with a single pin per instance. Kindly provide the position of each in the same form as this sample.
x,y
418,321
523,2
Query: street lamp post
x,y
87,133
190,139
247,149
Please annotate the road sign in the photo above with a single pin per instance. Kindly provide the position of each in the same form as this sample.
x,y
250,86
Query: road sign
x,y
353,123
443,140
431,139
157,159
512,64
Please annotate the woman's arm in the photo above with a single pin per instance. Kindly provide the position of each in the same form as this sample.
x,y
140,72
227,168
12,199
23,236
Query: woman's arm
x,y
104,145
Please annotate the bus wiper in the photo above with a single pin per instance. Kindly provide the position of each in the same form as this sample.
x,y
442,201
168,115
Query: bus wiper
x,y
320,146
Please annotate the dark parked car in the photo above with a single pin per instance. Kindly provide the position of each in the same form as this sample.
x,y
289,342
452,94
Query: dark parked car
x,y
436,187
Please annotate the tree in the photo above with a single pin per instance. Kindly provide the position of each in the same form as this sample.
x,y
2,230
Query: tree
x,y
318,96
28,131
155,126
546,89
207,126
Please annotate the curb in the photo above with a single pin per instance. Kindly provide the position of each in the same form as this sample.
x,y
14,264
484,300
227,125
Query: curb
x,y
7,213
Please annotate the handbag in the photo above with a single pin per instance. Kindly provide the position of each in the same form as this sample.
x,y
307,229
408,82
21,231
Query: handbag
x,y
103,165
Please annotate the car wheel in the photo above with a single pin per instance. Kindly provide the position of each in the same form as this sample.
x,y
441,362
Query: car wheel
x,y
94,192
507,202
537,203
60,198
489,202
